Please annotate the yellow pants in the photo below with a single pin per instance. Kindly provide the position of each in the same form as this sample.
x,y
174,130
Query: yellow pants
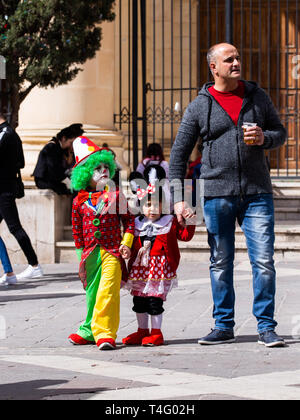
x,y
103,296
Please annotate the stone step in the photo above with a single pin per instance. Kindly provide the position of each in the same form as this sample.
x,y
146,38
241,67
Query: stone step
x,y
68,236
289,232
196,250
195,243
285,187
287,243
65,252
286,202
202,253
287,213
239,245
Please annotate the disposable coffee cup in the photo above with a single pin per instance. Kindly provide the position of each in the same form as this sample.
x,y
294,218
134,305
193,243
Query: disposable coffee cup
x,y
245,126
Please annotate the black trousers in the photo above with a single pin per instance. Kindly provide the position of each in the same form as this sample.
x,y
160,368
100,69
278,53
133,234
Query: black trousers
x,y
9,213
151,305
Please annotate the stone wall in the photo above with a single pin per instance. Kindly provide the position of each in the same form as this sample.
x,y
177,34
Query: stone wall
x,y
43,215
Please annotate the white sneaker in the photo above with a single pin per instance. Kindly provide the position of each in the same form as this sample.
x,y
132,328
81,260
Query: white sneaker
x,y
31,273
7,280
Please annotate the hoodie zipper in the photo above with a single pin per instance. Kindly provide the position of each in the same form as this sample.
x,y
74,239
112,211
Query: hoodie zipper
x,y
239,161
245,103
237,144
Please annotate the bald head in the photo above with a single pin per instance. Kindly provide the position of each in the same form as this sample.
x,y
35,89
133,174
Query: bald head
x,y
215,50
225,65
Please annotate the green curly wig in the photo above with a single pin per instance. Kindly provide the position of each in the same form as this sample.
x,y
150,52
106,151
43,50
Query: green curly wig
x,y
82,174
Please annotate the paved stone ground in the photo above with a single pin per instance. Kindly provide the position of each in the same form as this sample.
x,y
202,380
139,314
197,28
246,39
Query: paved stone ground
x,y
37,361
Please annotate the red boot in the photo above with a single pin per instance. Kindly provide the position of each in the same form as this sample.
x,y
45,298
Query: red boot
x,y
79,341
106,344
136,338
155,339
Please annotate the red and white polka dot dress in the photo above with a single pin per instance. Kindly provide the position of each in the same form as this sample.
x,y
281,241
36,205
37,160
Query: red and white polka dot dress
x,y
153,273
155,280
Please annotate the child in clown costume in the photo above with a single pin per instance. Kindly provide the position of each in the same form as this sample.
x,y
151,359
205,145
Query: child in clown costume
x,y
96,214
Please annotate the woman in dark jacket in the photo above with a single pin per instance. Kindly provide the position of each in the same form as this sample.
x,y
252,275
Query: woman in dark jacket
x,y
56,160
11,161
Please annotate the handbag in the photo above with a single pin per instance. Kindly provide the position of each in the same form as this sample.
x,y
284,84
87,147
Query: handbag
x,y
20,190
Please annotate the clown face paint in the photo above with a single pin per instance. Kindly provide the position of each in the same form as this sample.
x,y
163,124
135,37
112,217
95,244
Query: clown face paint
x,y
101,176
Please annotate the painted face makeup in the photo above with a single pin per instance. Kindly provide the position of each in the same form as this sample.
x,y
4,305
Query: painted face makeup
x,y
100,176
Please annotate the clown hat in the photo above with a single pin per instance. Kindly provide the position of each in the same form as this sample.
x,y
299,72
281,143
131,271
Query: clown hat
x,y
83,149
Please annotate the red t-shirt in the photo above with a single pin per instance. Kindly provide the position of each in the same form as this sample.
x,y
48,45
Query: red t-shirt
x,y
232,101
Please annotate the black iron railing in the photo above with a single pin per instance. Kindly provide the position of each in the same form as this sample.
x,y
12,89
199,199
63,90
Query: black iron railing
x,y
162,52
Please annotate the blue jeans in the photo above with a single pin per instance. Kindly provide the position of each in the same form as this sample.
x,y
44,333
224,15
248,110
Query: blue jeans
x,y
255,215
5,258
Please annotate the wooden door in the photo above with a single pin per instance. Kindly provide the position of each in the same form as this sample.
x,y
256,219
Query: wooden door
x,y
267,36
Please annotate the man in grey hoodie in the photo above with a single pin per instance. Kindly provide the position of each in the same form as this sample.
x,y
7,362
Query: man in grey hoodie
x,y
236,186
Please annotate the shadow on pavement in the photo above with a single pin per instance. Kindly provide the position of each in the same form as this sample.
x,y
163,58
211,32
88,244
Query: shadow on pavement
x,y
33,390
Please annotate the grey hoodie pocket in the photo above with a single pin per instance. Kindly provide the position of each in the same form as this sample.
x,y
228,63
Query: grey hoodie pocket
x,y
221,154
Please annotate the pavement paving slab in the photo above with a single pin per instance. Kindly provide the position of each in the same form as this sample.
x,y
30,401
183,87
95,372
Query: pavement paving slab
x,y
38,363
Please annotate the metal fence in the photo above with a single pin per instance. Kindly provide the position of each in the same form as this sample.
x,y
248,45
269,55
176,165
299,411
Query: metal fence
x,y
162,64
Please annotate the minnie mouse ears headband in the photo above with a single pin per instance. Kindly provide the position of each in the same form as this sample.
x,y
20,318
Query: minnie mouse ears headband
x,y
154,173
144,185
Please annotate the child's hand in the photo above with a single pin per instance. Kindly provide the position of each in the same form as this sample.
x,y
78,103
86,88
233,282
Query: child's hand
x,y
125,252
183,212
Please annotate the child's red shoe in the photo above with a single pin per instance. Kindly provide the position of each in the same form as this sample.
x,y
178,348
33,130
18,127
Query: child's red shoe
x,y
79,341
136,338
155,339
106,344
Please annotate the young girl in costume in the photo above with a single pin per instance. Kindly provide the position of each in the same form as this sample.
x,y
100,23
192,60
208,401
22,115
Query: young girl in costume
x,y
96,214
154,260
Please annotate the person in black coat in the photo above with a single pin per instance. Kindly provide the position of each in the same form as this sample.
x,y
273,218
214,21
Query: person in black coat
x,y
56,160
11,161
